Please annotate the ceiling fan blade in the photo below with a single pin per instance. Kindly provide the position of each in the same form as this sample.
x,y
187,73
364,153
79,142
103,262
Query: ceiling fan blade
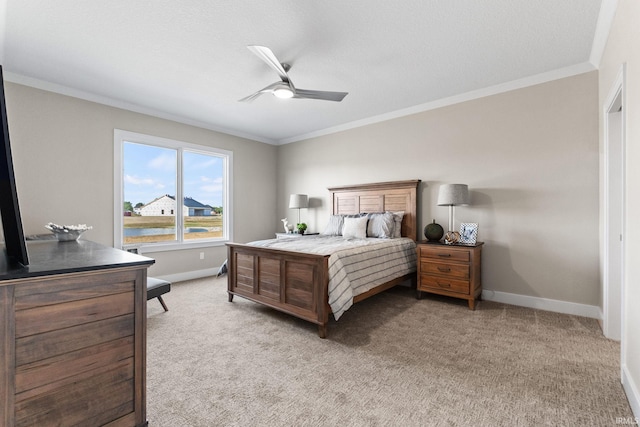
x,y
267,56
253,96
250,97
320,94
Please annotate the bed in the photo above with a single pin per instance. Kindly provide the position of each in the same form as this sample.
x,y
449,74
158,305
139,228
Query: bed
x,y
297,283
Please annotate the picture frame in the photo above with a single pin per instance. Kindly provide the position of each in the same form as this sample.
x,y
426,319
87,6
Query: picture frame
x,y
468,233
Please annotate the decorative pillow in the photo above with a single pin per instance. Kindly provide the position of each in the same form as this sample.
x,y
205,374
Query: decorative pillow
x,y
355,227
358,215
397,217
334,227
381,225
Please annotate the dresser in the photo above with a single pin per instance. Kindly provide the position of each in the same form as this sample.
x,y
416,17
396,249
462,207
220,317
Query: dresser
x,y
450,270
73,343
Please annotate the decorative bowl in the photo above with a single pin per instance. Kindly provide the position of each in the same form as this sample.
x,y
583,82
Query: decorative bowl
x,y
433,232
66,233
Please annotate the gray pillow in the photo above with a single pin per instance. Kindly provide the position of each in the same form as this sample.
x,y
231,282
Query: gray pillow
x,y
397,216
334,227
381,225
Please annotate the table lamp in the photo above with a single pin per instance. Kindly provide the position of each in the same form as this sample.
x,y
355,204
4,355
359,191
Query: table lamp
x,y
453,195
298,201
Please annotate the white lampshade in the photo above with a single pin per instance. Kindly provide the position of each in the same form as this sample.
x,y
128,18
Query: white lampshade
x,y
453,195
298,201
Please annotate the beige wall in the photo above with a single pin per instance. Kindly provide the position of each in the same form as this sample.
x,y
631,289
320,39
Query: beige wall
x,y
529,156
63,158
623,46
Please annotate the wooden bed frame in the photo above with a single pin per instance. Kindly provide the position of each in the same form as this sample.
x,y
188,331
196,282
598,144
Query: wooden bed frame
x,y
296,283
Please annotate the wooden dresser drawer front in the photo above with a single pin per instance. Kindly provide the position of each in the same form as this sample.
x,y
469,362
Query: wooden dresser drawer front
x,y
444,284
444,253
456,271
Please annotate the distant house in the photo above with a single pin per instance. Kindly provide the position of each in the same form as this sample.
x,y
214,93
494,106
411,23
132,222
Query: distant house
x,y
166,206
193,207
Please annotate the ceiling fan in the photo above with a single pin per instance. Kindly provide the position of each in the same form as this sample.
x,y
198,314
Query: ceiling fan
x,y
285,87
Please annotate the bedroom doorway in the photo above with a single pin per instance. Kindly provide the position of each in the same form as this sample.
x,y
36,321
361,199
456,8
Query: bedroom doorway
x,y
614,188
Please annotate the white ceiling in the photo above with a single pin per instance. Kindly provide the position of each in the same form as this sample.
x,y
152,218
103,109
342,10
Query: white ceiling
x,y
187,60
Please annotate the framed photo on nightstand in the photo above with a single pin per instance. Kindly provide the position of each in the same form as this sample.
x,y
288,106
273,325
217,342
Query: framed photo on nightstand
x,y
468,233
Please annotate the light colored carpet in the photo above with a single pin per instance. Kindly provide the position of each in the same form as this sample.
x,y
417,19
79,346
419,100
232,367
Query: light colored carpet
x,y
391,360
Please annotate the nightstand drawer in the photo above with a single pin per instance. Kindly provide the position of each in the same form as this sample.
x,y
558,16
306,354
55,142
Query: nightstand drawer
x,y
444,284
456,271
444,253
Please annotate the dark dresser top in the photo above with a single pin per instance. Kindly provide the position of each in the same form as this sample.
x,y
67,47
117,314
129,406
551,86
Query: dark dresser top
x,y
47,257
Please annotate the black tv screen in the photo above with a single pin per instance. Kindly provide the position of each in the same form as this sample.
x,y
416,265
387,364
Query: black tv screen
x,y
11,221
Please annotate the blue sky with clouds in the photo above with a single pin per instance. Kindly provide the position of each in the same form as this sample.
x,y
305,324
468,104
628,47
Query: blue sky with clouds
x,y
150,172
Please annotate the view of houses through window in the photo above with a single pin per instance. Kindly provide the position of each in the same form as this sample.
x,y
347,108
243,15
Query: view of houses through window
x,y
171,194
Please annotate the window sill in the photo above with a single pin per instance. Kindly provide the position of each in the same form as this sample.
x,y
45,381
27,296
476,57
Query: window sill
x,y
165,247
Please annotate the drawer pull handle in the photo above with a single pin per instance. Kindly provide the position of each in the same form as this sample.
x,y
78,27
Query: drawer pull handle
x,y
444,285
444,255
444,269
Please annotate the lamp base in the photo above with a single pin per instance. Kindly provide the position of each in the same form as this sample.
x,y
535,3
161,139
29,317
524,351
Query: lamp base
x,y
450,217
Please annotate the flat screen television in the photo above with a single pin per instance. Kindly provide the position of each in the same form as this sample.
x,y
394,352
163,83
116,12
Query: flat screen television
x,y
16,249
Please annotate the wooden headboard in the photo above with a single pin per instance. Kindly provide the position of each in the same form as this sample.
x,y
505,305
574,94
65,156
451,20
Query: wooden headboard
x,y
380,197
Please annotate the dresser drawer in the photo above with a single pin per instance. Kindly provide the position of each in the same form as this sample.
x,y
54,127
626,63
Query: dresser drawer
x,y
443,284
444,253
456,271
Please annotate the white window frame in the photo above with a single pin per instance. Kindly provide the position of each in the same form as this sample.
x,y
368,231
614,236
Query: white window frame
x,y
122,136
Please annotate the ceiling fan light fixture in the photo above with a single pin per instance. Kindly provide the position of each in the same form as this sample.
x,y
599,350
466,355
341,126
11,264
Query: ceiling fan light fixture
x,y
283,91
284,88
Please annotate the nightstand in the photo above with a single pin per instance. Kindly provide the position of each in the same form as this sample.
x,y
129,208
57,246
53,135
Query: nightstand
x,y
451,270
293,235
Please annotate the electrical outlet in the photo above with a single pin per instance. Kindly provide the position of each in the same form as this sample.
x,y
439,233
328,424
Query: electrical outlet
x,y
201,255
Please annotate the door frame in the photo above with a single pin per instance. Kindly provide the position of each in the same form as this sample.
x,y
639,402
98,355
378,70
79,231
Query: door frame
x,y
613,297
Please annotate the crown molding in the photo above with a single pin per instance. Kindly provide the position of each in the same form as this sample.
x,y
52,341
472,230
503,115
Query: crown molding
x,y
111,102
603,28
561,73
456,99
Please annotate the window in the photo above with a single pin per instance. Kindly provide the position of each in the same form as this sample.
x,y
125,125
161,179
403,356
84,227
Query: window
x,y
170,194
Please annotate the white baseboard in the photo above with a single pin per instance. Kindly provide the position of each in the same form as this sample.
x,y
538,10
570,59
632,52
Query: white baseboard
x,y
543,304
631,389
189,275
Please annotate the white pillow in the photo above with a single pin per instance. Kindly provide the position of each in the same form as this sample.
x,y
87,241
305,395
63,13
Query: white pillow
x,y
355,227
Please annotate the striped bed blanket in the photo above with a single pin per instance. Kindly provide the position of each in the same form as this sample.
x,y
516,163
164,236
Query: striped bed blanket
x,y
355,265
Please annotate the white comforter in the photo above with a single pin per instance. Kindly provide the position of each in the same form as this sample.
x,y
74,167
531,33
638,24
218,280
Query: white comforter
x,y
355,265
